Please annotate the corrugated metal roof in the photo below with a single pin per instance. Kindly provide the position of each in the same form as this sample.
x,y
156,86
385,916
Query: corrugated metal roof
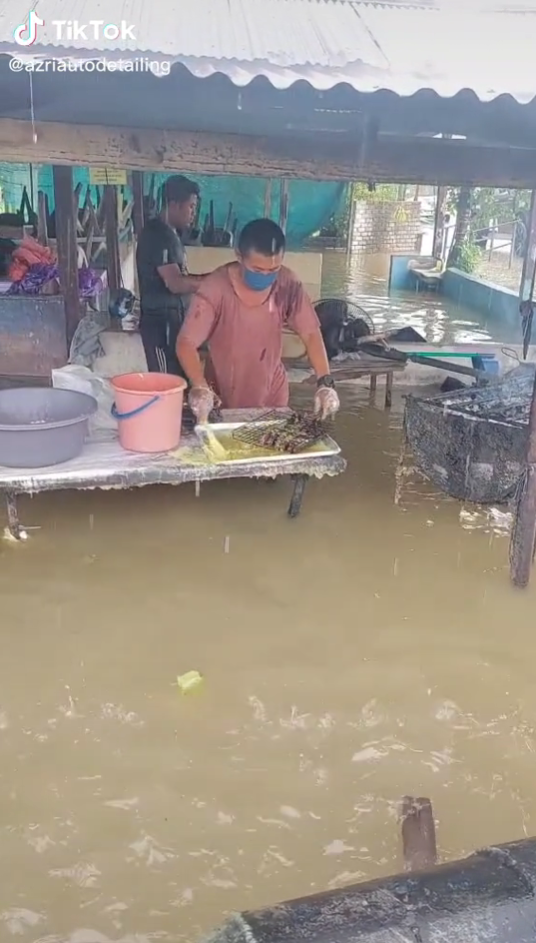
x,y
491,53
324,42
280,32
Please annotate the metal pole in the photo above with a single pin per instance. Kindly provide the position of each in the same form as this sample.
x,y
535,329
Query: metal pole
x,y
513,244
283,205
294,508
351,223
491,238
528,276
437,244
268,199
529,260
523,536
522,540
32,195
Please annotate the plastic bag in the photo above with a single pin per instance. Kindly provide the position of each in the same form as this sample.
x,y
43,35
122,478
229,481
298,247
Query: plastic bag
x,y
82,380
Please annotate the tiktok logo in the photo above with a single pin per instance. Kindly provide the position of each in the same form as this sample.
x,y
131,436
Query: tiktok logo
x,y
26,33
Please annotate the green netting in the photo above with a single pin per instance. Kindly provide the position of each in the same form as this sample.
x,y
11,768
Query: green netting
x,y
13,179
310,204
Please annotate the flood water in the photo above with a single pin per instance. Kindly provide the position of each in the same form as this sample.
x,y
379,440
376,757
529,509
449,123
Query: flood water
x,y
355,654
364,279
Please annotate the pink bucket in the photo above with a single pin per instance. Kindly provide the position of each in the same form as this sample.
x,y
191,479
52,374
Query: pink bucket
x,y
148,408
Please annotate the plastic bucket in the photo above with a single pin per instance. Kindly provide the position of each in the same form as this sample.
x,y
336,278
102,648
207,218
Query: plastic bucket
x,y
148,409
486,362
491,365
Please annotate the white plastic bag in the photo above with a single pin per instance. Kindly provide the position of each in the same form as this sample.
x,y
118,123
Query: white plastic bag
x,y
82,380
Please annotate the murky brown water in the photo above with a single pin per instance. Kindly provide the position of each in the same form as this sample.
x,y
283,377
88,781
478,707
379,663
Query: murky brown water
x,y
358,653
364,279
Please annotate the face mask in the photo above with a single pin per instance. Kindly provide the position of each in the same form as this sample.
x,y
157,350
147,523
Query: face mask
x,y
258,281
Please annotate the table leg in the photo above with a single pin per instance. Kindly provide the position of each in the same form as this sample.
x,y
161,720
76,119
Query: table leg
x,y
13,522
388,389
294,507
373,383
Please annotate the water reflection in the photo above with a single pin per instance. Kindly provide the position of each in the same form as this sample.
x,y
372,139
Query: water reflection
x,y
364,279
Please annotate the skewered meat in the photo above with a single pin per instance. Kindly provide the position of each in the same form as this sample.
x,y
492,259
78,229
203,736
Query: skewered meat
x,y
293,435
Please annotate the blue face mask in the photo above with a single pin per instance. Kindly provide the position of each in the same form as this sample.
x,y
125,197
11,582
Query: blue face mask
x,y
258,281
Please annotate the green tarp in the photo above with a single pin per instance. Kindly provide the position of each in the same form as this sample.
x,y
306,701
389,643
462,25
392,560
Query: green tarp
x,y
310,204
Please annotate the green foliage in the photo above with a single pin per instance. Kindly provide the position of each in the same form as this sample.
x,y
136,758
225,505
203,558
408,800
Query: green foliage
x,y
467,257
502,205
491,203
383,193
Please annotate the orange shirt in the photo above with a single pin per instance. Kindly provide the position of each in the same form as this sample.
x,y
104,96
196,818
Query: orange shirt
x,y
245,342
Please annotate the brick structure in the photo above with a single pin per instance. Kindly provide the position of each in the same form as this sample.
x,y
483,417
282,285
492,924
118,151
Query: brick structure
x,y
391,226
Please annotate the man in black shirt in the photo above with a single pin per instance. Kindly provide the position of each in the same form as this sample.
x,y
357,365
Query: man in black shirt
x,y
164,284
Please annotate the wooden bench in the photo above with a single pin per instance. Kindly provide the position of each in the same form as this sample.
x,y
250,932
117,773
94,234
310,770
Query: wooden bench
x,y
366,366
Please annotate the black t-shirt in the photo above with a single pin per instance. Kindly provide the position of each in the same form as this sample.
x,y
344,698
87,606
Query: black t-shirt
x,y
158,245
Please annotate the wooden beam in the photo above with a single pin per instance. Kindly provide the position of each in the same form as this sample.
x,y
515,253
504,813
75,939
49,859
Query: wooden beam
x,y
42,221
333,157
67,247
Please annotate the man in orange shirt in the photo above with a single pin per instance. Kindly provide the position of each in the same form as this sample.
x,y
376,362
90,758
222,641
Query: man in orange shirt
x,y
239,312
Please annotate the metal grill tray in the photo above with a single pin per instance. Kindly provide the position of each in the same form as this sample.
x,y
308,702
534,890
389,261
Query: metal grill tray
x,y
331,447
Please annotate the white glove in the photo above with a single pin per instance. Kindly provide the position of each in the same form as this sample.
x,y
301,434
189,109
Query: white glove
x,y
201,401
327,402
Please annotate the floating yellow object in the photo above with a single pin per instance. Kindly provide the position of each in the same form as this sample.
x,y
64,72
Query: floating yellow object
x,y
189,681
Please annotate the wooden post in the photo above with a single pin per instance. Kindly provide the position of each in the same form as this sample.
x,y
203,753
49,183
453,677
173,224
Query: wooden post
x,y
66,245
418,834
138,213
523,536
111,224
42,220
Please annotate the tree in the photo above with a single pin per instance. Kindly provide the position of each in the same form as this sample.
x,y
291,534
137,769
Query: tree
x,y
463,221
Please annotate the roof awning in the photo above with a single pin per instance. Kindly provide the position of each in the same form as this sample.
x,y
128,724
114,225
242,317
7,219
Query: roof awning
x,y
367,46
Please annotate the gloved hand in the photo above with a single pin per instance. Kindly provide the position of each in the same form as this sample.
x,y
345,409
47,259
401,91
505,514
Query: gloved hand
x,y
327,402
201,401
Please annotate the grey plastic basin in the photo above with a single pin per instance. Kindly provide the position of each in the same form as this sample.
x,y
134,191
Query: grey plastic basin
x,y
40,427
